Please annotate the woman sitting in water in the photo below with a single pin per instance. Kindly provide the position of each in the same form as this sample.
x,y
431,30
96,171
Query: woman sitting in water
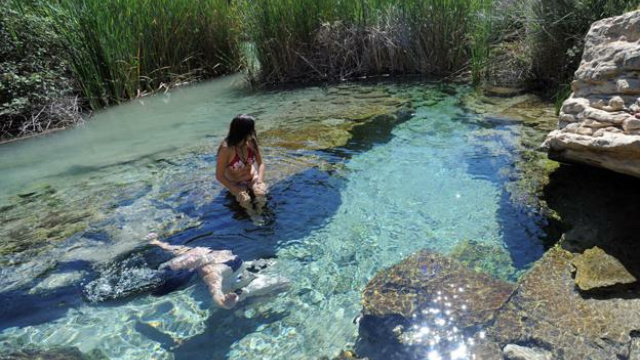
x,y
222,271
239,167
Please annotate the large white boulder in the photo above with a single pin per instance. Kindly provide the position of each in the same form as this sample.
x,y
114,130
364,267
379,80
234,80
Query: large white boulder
x,y
599,124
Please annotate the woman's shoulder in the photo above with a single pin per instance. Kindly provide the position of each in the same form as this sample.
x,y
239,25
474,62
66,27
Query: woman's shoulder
x,y
224,148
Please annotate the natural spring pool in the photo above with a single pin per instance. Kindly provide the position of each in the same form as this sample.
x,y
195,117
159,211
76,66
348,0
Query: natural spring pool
x,y
354,190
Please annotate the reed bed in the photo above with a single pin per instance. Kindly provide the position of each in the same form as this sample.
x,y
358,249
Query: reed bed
x,y
120,49
556,31
317,40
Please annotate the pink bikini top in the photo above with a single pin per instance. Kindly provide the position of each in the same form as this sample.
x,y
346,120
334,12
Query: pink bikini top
x,y
238,163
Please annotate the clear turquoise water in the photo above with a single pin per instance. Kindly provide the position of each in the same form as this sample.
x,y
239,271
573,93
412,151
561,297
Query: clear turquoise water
x,y
335,217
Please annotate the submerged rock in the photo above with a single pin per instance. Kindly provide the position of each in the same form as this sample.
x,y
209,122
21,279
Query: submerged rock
x,y
491,259
425,278
327,122
124,279
517,352
596,269
597,124
546,310
426,298
67,353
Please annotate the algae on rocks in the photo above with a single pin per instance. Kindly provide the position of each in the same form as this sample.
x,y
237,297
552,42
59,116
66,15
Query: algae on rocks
x,y
546,309
485,258
327,121
596,269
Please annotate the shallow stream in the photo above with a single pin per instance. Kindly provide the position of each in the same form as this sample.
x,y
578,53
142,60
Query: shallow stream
x,y
361,176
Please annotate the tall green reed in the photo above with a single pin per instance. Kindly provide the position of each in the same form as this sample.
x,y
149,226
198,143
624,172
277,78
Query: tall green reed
x,y
310,40
556,30
119,49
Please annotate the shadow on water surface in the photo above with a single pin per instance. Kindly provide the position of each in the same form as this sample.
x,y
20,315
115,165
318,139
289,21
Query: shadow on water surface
x,y
293,211
521,229
23,308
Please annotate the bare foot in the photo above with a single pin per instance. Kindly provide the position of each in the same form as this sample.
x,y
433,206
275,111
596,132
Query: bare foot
x,y
230,300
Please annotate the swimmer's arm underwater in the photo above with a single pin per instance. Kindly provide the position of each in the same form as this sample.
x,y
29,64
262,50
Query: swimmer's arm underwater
x,y
175,249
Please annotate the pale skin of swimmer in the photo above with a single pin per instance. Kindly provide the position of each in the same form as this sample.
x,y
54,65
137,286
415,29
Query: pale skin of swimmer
x,y
217,275
240,181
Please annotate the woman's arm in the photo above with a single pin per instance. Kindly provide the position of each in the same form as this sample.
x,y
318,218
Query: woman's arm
x,y
261,166
221,167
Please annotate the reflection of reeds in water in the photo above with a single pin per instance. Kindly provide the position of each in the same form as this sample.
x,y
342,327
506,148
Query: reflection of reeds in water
x,y
311,40
119,49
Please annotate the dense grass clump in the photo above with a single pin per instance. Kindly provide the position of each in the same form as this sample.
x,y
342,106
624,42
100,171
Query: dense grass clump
x,y
119,49
315,40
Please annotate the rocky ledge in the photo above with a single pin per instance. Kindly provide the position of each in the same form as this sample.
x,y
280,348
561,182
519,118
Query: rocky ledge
x,y
599,124
430,304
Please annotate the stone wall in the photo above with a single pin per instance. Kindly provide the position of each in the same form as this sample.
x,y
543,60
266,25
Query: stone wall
x,y
599,124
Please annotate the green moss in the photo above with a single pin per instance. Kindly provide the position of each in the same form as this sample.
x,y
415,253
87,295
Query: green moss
x,y
485,258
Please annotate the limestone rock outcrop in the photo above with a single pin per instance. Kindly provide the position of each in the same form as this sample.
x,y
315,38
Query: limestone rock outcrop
x,y
596,269
546,311
599,124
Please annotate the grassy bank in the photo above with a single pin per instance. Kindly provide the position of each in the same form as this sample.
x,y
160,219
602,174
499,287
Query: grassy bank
x,y
60,56
36,86
120,48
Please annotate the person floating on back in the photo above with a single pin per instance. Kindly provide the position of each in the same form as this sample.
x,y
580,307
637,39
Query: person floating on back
x,y
228,278
239,166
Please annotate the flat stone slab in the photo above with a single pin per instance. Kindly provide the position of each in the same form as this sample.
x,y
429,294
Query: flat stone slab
x,y
430,303
517,352
596,269
426,280
547,309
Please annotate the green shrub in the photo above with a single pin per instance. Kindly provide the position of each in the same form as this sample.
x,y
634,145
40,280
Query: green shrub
x,y
35,77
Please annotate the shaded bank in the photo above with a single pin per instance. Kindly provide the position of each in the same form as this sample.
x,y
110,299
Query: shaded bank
x,y
594,214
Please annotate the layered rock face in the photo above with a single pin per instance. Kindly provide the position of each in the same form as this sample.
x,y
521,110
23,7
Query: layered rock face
x,y
599,124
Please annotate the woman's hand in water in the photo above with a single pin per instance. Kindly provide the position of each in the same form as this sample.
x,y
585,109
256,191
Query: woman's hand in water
x,y
243,197
259,188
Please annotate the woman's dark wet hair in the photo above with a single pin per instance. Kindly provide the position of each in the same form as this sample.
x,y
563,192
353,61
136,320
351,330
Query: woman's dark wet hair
x,y
242,126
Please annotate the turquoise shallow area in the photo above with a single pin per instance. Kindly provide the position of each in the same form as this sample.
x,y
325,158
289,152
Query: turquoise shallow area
x,y
335,217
